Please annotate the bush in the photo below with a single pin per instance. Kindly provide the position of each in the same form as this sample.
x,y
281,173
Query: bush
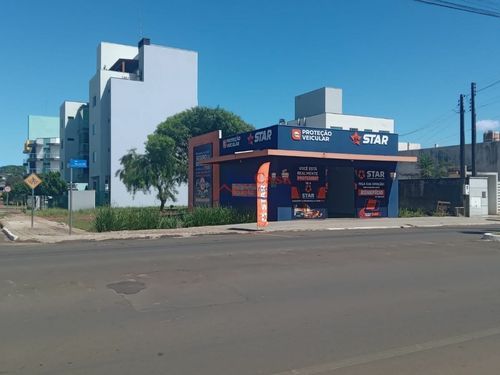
x,y
407,212
217,216
114,219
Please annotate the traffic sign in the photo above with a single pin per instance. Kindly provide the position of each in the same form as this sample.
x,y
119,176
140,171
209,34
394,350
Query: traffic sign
x,y
78,163
32,181
7,189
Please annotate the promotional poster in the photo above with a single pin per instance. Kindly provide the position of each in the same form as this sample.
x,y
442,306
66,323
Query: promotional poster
x,y
202,176
308,192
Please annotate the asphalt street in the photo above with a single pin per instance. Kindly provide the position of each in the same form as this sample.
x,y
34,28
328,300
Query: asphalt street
x,y
408,301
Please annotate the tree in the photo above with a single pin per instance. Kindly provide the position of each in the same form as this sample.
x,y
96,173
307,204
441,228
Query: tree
x,y
52,185
164,164
197,121
157,168
426,165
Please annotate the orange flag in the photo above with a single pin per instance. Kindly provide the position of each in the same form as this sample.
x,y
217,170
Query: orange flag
x,y
262,180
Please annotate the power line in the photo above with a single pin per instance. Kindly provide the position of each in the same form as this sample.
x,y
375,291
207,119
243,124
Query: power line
x,y
490,85
461,7
441,118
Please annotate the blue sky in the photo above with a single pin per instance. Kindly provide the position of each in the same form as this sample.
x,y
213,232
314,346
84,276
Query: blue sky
x,y
393,58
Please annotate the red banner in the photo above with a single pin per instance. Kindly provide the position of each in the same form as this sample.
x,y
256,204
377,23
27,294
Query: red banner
x,y
262,180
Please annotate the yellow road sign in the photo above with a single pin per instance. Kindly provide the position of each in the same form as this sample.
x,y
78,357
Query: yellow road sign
x,y
32,181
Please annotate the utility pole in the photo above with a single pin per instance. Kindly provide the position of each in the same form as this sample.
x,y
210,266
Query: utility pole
x,y
462,138
473,126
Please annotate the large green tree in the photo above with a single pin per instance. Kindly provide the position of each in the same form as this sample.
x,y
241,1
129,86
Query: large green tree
x,y
156,169
164,164
197,121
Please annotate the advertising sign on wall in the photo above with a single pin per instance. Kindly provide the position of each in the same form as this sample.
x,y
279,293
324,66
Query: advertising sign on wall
x,y
202,176
370,192
308,192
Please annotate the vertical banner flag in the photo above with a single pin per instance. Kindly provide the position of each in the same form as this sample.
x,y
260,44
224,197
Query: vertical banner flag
x,y
262,181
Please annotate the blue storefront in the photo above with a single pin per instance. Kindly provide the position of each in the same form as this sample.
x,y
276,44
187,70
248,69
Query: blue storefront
x,y
314,172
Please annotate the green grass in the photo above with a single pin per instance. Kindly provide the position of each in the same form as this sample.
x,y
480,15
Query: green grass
x,y
82,219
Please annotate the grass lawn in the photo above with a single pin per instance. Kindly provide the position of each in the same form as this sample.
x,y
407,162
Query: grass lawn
x,y
81,219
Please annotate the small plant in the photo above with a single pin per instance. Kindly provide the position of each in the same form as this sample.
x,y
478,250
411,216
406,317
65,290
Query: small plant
x,y
407,212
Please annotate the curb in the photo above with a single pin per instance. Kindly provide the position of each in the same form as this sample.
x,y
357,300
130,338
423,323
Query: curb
x,y
491,237
11,236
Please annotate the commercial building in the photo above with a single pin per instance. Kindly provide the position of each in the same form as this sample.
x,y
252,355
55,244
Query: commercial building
x,y
325,165
42,146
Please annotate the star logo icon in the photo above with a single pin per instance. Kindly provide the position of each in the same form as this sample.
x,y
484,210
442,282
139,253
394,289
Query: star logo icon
x,y
356,139
250,139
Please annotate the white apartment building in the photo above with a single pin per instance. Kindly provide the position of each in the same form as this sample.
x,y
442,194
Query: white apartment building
x,y
322,108
43,145
134,89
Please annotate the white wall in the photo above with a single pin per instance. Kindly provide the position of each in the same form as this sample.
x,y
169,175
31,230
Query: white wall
x,y
332,120
169,86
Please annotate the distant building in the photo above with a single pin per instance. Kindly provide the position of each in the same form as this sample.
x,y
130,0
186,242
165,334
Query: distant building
x,y
74,133
134,89
407,146
491,136
322,108
43,145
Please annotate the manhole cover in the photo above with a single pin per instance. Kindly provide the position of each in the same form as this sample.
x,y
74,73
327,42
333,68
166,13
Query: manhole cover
x,y
127,287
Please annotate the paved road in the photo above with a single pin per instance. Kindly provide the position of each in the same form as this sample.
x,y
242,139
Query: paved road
x,y
407,301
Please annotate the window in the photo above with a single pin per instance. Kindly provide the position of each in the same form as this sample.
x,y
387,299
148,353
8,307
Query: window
x,y
336,127
94,101
71,118
93,157
353,129
368,130
93,129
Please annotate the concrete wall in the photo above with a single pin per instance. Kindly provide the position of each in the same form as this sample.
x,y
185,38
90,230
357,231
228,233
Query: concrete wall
x,y
325,99
487,158
169,86
82,200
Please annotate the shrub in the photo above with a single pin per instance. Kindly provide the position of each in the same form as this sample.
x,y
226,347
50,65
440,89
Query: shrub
x,y
407,212
113,219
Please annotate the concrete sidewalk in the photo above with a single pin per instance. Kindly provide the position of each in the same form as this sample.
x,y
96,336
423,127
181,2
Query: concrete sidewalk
x,y
46,231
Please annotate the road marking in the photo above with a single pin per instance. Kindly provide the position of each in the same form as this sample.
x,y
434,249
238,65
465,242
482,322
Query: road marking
x,y
391,353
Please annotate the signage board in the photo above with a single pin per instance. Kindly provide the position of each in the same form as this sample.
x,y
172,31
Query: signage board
x,y
7,189
32,181
78,163
202,176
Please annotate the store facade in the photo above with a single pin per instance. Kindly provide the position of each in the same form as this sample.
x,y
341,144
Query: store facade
x,y
314,173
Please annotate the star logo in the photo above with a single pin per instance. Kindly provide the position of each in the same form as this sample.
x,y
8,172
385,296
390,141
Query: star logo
x,y
250,139
356,139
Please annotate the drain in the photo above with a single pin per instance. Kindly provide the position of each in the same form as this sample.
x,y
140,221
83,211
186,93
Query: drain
x,y
127,287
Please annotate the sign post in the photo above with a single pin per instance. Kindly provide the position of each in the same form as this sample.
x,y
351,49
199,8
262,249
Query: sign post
x,y
7,190
78,164
32,181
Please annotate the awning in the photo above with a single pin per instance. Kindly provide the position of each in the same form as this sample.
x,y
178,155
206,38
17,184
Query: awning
x,y
307,154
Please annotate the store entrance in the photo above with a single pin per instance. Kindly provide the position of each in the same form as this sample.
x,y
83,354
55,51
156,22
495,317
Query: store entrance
x,y
340,197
